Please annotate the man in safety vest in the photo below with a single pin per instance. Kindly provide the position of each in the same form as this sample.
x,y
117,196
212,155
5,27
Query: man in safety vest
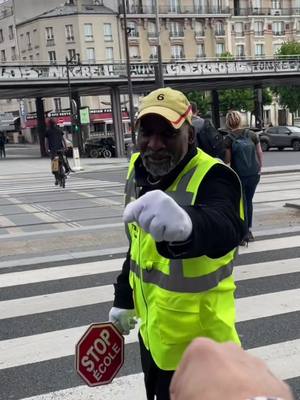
x,y
184,220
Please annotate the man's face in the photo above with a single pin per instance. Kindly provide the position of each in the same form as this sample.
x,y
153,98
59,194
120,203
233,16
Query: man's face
x,y
161,146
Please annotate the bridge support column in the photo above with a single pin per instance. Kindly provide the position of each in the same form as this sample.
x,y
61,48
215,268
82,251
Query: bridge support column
x,y
117,121
41,124
258,111
215,108
77,128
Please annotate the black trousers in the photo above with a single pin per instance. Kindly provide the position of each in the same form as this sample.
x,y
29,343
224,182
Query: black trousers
x,y
157,381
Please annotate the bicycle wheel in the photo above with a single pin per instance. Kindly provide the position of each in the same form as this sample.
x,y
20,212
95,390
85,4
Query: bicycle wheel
x,y
106,153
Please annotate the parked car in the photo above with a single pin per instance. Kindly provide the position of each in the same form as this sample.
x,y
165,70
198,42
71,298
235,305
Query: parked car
x,y
100,147
280,137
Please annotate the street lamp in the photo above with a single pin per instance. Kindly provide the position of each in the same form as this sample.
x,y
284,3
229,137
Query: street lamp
x,y
130,89
160,73
73,104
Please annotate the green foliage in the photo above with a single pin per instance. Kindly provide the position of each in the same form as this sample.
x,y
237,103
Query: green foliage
x,y
201,99
236,99
289,96
226,56
290,48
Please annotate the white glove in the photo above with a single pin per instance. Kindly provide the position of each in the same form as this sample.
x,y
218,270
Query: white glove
x,y
123,319
160,215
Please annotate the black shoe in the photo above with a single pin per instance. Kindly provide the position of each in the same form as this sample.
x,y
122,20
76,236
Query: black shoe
x,y
250,237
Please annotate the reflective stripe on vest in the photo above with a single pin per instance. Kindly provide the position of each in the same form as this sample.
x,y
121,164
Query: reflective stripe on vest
x,y
177,282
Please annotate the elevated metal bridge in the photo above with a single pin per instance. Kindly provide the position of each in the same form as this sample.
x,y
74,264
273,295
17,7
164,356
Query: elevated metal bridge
x,y
24,81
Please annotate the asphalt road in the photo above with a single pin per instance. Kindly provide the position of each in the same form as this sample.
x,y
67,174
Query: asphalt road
x,y
45,229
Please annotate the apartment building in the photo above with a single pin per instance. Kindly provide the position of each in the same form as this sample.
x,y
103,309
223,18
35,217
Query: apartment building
x,y
200,29
8,47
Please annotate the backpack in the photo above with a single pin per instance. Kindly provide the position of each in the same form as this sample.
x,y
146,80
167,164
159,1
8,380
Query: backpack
x,y
243,154
209,139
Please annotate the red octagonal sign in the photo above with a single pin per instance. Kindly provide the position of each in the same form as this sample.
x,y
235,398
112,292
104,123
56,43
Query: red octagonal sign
x,y
100,354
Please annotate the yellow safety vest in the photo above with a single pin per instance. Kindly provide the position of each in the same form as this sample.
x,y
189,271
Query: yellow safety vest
x,y
179,300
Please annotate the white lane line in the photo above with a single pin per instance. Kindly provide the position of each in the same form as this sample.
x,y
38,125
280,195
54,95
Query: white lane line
x,y
56,301
241,272
271,244
270,268
46,346
282,359
124,388
267,305
60,272
11,227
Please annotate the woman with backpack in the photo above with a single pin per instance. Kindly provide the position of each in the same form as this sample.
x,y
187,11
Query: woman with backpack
x,y
244,155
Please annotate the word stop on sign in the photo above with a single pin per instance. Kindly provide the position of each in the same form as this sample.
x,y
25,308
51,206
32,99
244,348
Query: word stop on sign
x,y
100,354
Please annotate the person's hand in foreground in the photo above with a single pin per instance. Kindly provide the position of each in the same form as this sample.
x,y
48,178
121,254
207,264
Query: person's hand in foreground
x,y
213,371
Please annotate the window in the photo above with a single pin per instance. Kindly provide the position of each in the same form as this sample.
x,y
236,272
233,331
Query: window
x,y
278,28
28,41
216,6
132,29
71,54
200,50
31,57
152,29
49,33
176,29
240,50
88,32
134,52
259,50
11,32
57,104
174,6
1,35
200,6
109,54
275,4
90,55
219,28
52,57
220,49
199,31
13,53
153,52
177,52
276,47
69,33
3,55
239,28
258,28
107,29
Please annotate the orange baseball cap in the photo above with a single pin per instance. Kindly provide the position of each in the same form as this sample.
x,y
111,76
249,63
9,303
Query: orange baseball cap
x,y
170,104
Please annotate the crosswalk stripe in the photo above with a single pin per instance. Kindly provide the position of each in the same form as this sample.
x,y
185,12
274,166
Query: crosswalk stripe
x,y
281,358
46,346
271,244
55,301
60,272
248,308
241,272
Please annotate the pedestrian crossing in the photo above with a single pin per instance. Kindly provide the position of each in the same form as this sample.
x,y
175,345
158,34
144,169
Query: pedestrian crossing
x,y
44,310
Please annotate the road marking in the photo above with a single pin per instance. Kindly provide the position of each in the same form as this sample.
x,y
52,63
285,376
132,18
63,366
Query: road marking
x,y
271,244
241,272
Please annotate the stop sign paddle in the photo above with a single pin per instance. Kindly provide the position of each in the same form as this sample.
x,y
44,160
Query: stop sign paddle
x,y
100,354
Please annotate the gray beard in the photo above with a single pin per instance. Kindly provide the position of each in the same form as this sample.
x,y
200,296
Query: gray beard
x,y
161,168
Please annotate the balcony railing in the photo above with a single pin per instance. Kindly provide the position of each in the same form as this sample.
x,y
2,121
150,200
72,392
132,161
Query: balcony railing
x,y
133,34
70,38
278,33
266,11
177,34
182,9
220,32
152,35
259,33
199,34
50,42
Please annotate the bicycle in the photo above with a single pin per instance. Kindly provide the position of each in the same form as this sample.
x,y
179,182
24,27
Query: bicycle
x,y
58,166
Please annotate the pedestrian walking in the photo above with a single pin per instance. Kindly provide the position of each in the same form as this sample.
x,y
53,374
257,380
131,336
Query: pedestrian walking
x,y
2,145
184,220
244,155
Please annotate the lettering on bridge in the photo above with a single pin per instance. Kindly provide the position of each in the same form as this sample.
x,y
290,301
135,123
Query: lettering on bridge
x,y
143,70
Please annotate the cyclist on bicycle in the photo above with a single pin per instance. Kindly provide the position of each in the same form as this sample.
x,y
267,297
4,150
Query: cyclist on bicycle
x,y
55,143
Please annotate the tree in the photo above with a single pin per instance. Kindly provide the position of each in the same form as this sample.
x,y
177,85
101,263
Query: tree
x,y
289,96
202,100
240,99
